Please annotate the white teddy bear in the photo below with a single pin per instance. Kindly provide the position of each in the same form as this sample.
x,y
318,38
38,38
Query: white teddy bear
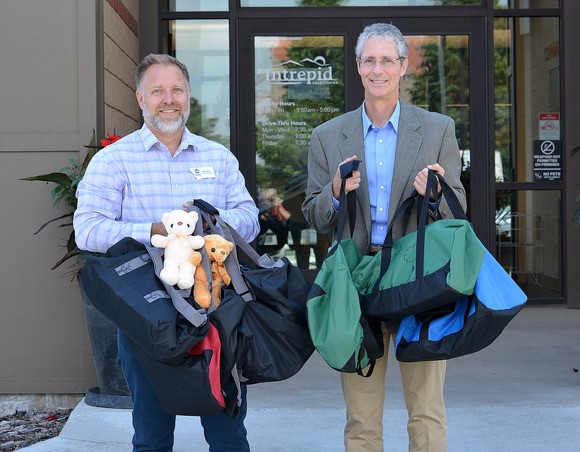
x,y
181,257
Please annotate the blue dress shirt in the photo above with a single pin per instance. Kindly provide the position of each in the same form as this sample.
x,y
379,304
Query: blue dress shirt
x,y
380,146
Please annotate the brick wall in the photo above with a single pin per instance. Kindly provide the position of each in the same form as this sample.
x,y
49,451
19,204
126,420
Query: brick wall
x,y
121,55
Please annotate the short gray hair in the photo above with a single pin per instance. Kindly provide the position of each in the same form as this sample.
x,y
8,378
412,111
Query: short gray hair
x,y
157,58
383,31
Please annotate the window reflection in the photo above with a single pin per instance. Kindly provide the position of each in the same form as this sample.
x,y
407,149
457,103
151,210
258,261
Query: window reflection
x,y
527,95
528,240
195,5
299,84
283,228
203,46
525,4
437,79
306,3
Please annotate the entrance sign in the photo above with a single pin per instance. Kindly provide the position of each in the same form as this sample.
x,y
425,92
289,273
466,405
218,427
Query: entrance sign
x,y
299,84
547,160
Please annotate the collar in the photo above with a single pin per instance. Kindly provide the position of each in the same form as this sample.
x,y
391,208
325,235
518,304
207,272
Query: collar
x,y
149,139
394,119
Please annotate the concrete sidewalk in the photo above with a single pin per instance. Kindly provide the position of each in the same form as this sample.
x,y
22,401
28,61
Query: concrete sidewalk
x,y
521,394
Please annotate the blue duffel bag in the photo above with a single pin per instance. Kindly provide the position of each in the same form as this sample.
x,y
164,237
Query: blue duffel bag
x,y
469,325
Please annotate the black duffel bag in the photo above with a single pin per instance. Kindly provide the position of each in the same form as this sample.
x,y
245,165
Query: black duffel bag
x,y
474,323
173,341
262,316
123,286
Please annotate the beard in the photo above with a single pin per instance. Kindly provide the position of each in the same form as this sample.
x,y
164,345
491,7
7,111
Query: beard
x,y
165,126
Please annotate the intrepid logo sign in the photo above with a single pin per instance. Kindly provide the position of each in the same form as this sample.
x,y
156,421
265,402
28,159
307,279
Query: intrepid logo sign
x,y
294,73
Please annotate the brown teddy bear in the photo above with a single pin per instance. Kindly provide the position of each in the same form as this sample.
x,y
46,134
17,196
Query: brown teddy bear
x,y
201,293
218,249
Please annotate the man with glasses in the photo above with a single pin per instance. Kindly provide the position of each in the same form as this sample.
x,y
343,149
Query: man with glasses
x,y
397,143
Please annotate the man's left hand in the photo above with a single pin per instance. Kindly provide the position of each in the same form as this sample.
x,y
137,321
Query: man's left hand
x,y
204,225
420,182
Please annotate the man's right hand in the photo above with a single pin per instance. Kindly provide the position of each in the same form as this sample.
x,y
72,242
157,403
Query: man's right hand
x,y
352,183
158,228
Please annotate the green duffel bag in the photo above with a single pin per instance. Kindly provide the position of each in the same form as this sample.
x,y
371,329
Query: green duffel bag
x,y
425,271
344,337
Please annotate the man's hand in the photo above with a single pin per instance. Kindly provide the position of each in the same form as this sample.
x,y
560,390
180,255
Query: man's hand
x,y
420,182
352,183
187,205
158,228
204,225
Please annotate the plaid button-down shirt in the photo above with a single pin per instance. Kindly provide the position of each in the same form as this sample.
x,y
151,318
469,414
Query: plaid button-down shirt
x,y
132,182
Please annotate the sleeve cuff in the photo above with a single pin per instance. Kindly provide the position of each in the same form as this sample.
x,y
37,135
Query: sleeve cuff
x,y
335,203
433,208
142,232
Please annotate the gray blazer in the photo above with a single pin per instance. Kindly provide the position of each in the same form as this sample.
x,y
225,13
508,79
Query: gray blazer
x,y
423,138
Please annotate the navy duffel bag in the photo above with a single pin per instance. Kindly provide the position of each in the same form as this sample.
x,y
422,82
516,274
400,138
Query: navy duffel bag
x,y
174,343
474,322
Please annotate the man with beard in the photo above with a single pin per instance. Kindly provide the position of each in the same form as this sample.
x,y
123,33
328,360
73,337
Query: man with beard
x,y
125,191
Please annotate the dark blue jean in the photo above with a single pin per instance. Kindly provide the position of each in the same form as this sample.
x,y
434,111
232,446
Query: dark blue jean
x,y
153,427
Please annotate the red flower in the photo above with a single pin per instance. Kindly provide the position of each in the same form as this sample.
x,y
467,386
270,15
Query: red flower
x,y
110,139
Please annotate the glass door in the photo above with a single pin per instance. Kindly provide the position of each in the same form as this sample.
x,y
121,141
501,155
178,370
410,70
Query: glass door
x,y
298,74
529,183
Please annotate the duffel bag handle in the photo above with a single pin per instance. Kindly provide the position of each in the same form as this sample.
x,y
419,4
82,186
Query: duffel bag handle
x,y
232,235
451,198
195,317
205,206
346,202
405,208
454,206
207,211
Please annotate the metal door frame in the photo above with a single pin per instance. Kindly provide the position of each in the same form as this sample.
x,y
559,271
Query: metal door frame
x,y
482,179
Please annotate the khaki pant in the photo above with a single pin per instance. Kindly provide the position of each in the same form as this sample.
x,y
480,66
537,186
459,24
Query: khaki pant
x,y
423,391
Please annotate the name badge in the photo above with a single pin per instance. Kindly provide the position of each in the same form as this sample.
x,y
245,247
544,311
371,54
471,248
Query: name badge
x,y
205,172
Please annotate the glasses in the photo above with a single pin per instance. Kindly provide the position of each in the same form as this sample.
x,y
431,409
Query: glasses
x,y
386,63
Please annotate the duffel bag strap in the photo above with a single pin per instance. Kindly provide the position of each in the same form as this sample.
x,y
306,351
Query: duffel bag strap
x,y
404,209
206,211
452,202
194,316
451,198
346,202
